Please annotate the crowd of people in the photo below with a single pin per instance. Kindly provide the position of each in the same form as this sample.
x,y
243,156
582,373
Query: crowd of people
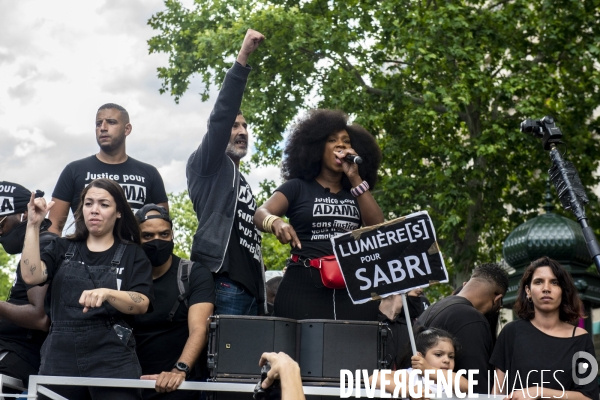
x,y
111,299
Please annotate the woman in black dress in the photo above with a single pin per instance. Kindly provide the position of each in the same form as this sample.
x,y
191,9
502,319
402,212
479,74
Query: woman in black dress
x,y
536,351
324,195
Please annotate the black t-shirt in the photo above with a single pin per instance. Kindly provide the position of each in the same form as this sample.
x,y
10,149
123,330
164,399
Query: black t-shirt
x,y
472,331
397,340
243,259
525,350
160,342
141,182
318,215
24,342
133,275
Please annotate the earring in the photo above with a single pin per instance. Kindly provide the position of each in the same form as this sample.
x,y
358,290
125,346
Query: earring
x,y
529,299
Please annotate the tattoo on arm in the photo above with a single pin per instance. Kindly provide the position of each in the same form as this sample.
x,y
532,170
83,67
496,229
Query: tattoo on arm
x,y
135,297
26,261
130,308
32,268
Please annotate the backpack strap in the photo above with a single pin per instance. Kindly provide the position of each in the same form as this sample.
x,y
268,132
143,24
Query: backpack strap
x,y
118,255
433,311
183,283
70,252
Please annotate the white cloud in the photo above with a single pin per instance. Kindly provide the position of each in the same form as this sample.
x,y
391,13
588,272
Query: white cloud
x,y
60,61
31,142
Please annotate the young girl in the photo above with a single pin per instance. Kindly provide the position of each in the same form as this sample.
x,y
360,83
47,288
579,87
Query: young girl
x,y
436,350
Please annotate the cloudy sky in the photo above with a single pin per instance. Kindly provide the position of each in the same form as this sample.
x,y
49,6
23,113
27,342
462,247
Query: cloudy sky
x,y
60,60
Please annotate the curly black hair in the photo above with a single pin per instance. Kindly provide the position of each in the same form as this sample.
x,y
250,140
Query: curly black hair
x,y
303,152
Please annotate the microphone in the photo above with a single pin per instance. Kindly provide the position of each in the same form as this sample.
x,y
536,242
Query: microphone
x,y
353,158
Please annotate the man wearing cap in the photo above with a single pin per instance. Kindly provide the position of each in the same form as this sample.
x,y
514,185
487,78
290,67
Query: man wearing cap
x,y
23,322
141,182
226,241
172,337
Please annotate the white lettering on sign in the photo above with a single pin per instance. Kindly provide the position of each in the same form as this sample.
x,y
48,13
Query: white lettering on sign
x,y
416,232
395,271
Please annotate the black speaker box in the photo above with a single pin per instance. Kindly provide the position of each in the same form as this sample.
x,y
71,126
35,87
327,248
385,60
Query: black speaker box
x,y
235,344
327,346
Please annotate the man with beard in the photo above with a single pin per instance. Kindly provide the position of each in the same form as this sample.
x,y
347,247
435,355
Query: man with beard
x,y
226,241
141,182
171,339
23,322
392,313
463,315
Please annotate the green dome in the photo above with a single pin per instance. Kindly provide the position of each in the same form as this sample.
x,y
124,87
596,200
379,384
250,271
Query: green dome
x,y
549,235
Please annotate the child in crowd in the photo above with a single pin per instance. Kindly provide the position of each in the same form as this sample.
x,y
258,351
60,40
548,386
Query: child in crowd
x,y
436,350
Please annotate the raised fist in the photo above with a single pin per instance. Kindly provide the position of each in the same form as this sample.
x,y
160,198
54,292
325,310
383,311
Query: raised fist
x,y
251,42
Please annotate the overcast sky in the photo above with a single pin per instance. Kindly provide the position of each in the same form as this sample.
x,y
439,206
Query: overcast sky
x,y
60,60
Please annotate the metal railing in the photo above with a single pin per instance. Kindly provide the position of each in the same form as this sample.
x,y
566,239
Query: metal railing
x,y
38,385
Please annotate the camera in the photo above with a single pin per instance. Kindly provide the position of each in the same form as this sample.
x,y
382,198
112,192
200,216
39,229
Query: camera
x,y
273,392
544,129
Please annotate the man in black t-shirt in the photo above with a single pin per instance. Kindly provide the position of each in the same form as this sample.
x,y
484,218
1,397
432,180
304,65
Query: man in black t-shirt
x,y
141,182
23,322
463,316
227,242
171,339
391,312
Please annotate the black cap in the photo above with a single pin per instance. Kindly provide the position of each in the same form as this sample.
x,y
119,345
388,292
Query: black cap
x,y
141,216
14,198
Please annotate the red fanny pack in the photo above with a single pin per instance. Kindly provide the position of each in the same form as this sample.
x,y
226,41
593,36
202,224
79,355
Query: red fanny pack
x,y
331,275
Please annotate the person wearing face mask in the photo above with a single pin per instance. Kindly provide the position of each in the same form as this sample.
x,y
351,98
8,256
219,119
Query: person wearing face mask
x,y
23,322
391,312
170,340
463,315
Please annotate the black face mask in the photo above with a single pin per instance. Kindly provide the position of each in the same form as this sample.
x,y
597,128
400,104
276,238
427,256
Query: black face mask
x,y
13,241
158,251
417,305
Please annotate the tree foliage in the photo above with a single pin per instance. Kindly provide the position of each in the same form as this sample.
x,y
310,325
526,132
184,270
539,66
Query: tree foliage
x,y
7,273
184,223
444,86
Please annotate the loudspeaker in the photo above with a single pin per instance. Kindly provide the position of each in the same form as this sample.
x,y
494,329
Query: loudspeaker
x,y
327,346
236,342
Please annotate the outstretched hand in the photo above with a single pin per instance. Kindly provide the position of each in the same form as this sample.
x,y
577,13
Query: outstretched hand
x,y
280,362
286,234
37,210
251,42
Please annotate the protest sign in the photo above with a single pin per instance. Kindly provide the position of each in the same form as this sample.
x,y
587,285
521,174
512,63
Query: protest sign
x,y
393,257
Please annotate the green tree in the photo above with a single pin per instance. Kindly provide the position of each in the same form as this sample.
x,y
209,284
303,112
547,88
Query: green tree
x,y
442,84
7,271
184,223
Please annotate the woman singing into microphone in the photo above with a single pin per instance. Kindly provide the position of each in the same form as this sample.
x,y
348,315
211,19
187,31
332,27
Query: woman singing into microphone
x,y
324,195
